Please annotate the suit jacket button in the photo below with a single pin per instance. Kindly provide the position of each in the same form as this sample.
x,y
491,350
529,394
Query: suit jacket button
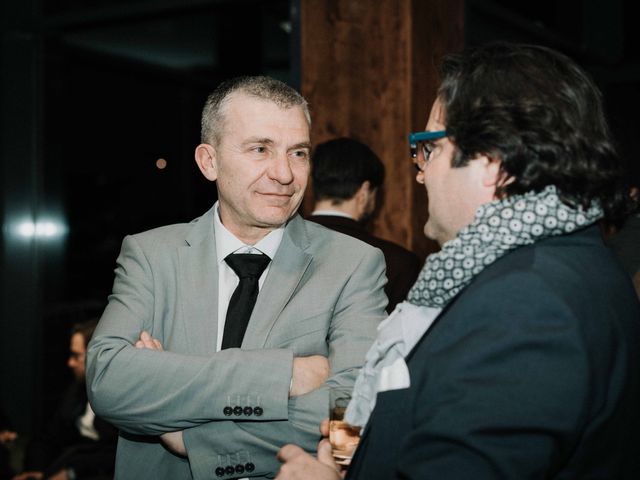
x,y
219,471
239,468
249,467
248,411
237,411
258,411
229,470
227,411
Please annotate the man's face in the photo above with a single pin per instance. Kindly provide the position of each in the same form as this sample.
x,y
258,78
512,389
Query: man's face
x,y
454,193
77,352
261,165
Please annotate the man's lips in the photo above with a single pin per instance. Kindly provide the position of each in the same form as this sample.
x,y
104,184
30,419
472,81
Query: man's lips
x,y
276,199
276,194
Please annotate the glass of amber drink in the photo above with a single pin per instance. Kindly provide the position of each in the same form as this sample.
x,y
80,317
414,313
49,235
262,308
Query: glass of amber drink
x,y
343,437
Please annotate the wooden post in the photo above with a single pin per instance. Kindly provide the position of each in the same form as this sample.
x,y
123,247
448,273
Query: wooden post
x,y
369,70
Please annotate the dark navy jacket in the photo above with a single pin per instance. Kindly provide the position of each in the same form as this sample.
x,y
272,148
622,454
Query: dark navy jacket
x,y
531,372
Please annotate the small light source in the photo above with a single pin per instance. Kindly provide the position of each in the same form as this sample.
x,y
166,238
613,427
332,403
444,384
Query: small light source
x,y
286,26
47,229
27,229
161,164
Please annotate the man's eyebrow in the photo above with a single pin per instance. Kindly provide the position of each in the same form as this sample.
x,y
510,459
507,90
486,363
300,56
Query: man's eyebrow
x,y
268,141
306,145
433,142
261,140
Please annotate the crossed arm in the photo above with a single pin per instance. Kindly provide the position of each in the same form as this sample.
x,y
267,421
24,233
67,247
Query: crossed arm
x,y
308,374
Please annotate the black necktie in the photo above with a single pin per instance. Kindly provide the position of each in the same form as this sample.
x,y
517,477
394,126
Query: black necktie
x,y
248,267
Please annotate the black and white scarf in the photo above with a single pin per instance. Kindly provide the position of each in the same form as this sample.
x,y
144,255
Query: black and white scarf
x,y
498,227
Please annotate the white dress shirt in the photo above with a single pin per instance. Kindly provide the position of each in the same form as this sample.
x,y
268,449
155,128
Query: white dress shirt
x,y
226,244
333,213
85,424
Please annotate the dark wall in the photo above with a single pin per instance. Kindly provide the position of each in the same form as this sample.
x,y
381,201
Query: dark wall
x,y
107,126
603,38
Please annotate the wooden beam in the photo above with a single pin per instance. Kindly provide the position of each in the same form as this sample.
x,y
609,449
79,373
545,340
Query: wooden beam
x,y
369,71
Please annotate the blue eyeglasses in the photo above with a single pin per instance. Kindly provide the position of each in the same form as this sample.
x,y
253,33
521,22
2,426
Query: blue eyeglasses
x,y
423,138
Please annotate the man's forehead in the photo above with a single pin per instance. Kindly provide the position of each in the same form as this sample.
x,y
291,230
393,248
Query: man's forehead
x,y
252,117
436,117
242,103
77,339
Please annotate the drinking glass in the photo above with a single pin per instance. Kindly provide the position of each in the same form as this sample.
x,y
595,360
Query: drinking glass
x,y
343,437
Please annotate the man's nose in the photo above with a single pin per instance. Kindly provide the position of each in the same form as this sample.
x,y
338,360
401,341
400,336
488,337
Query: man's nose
x,y
280,169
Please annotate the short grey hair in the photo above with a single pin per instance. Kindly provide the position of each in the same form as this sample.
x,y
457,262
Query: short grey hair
x,y
262,87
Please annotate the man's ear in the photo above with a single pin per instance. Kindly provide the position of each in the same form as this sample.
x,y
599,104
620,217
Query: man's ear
x,y
359,200
493,174
490,171
364,190
205,155
363,194
365,200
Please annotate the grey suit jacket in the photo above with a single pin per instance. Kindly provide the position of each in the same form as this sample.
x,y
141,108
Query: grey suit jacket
x,y
323,295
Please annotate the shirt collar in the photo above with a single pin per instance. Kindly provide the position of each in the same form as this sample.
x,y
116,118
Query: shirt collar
x,y
227,243
335,213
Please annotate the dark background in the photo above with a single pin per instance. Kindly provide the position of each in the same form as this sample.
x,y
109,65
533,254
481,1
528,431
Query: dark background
x,y
94,92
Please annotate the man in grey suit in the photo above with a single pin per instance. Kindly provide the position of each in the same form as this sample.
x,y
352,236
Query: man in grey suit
x,y
204,408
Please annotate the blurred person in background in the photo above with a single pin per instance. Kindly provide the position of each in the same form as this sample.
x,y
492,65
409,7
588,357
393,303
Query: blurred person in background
x,y
625,240
347,181
76,444
7,437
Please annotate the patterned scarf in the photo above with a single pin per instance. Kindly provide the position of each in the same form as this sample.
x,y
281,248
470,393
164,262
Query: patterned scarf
x,y
498,227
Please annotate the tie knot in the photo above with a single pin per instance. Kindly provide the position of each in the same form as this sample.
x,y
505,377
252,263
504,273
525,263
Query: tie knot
x,y
248,265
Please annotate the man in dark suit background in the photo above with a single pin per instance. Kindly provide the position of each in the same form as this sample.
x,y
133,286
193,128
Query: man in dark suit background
x,y
347,179
530,369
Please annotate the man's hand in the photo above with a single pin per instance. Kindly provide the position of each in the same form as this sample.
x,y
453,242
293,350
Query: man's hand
x,y
172,440
324,428
308,374
146,341
299,465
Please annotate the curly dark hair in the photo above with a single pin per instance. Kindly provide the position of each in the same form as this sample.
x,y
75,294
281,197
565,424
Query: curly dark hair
x,y
541,115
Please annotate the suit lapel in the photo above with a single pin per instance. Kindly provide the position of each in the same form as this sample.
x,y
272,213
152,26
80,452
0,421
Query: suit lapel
x,y
199,281
286,271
